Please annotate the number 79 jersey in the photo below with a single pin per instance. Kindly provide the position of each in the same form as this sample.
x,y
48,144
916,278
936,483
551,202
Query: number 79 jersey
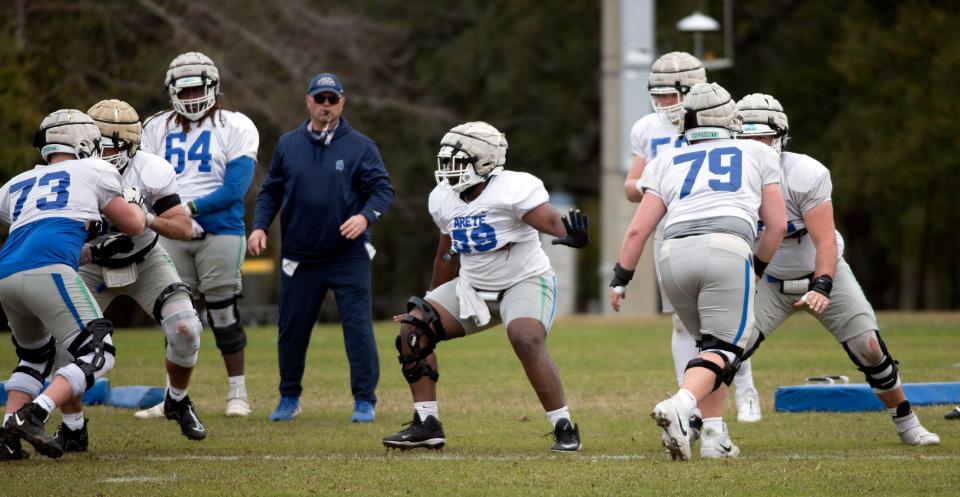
x,y
497,248
200,156
713,178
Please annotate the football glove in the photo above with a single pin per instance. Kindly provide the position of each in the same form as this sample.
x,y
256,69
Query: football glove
x,y
577,224
132,195
106,247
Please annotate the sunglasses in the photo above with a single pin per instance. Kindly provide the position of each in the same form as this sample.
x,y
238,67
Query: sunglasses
x,y
320,99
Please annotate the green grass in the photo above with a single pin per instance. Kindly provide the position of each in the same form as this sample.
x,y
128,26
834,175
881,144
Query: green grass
x,y
614,371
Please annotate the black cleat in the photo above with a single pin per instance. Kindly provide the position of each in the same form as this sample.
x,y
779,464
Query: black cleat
x,y
953,414
27,423
73,440
10,448
427,433
566,437
184,413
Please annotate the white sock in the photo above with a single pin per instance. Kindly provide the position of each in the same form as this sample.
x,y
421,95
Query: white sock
x,y
46,403
238,387
684,350
73,421
427,408
743,381
715,423
176,394
685,398
557,415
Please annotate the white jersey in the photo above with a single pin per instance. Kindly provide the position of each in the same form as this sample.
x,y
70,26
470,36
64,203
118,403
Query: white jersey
x,y
157,181
805,183
651,133
47,209
713,178
200,156
497,248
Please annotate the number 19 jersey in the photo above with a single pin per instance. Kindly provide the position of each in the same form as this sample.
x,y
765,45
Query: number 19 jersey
x,y
497,248
713,178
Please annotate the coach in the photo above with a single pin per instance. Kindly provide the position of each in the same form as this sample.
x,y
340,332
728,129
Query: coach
x,y
329,184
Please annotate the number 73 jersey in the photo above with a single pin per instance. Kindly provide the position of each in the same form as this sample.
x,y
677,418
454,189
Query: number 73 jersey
x,y
497,248
713,178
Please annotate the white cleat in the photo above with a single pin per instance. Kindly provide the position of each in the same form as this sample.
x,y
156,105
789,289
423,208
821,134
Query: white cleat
x,y
674,420
237,407
748,408
155,412
717,445
918,435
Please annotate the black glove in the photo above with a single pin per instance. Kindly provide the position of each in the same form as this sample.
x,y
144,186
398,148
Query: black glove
x,y
576,225
105,247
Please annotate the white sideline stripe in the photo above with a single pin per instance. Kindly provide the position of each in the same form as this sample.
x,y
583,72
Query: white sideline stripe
x,y
462,457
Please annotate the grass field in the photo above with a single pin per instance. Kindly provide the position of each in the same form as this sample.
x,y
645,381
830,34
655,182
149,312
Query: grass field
x,y
614,371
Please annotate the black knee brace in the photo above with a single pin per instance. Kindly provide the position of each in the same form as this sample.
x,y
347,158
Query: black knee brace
x,y
45,355
171,290
428,327
724,374
232,338
886,369
96,330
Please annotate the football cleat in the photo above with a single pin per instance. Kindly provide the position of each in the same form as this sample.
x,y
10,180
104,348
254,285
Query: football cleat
x,y
717,445
237,407
953,413
10,448
918,435
674,419
362,412
155,412
184,413
748,407
27,423
73,440
566,437
287,409
427,434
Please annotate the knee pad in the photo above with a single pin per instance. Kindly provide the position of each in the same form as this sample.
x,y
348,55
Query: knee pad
x,y
94,355
36,362
729,353
167,294
429,327
870,355
752,346
182,330
228,332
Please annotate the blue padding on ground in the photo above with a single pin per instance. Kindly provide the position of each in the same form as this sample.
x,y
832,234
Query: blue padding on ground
x,y
96,395
858,397
137,397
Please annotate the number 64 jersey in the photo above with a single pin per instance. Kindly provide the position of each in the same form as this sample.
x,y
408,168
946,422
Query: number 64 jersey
x,y
497,248
713,178
47,209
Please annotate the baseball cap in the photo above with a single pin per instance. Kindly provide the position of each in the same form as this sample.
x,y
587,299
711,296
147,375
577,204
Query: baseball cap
x,y
325,82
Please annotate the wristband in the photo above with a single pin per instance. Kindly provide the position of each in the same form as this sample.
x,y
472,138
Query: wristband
x,y
621,276
149,219
822,284
759,266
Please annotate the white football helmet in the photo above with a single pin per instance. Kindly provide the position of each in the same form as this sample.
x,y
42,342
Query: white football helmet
x,y
67,131
120,129
709,113
762,115
469,154
674,73
189,70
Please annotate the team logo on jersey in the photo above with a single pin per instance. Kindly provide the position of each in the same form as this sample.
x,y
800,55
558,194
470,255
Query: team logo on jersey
x,y
339,164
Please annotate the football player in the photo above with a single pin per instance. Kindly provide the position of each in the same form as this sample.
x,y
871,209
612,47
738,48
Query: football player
x,y
115,264
709,193
809,273
671,77
213,152
50,209
490,220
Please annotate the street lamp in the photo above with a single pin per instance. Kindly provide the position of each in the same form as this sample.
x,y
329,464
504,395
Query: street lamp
x,y
699,23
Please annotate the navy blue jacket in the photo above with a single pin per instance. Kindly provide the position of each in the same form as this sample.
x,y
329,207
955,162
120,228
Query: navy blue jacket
x,y
316,187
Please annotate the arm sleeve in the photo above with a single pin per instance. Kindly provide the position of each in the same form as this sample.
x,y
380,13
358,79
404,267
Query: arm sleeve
x,y
529,195
373,182
108,186
271,192
236,181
